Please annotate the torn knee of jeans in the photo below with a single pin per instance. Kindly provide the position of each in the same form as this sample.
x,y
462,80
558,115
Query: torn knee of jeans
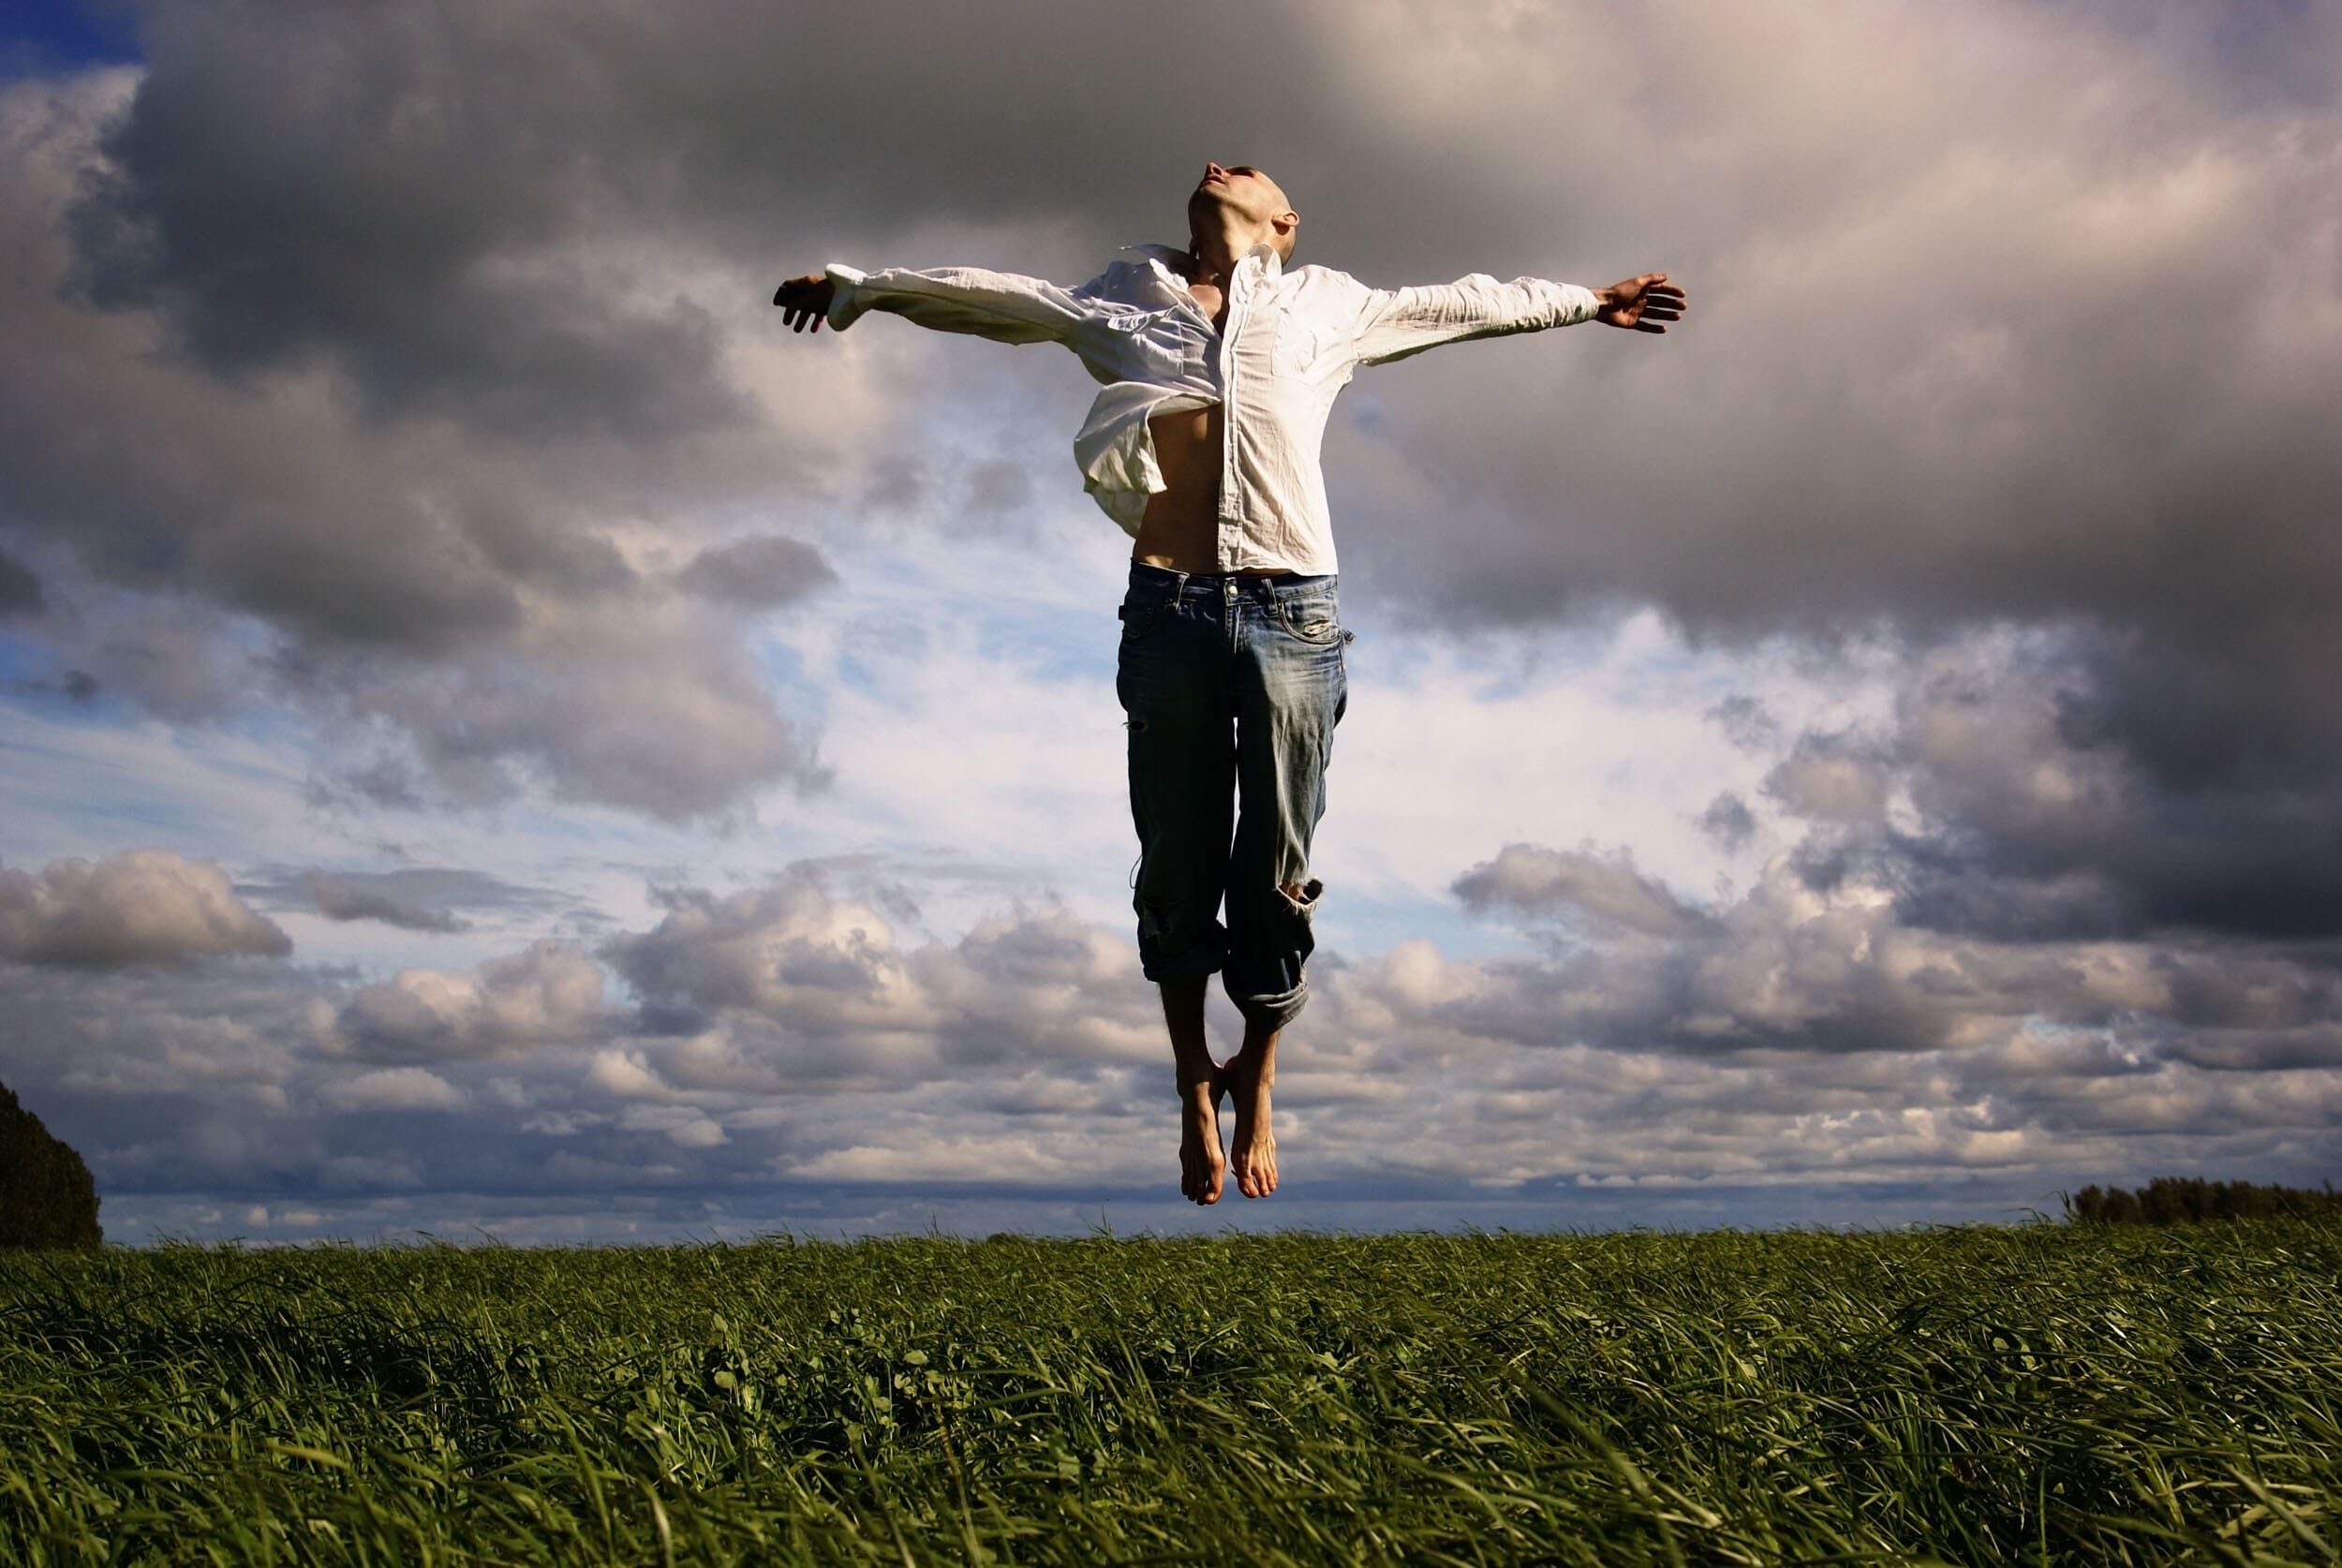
x,y
1302,895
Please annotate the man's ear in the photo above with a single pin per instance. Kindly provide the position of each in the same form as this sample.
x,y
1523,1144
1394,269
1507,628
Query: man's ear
x,y
1286,223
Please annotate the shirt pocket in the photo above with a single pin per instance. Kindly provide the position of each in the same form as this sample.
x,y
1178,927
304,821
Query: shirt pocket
x,y
1296,348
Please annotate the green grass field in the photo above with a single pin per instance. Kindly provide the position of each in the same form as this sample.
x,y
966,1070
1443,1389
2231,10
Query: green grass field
x,y
1988,1397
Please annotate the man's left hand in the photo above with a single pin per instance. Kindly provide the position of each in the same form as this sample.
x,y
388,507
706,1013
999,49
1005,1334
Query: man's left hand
x,y
1641,303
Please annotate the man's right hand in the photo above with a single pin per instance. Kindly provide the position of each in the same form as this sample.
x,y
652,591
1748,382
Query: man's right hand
x,y
804,301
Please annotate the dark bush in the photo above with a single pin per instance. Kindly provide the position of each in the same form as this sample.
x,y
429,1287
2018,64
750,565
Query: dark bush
x,y
2174,1200
47,1198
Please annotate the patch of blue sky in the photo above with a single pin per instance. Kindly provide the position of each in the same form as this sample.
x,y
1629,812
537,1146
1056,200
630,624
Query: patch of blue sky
x,y
29,670
1052,618
1365,926
782,663
49,38
74,785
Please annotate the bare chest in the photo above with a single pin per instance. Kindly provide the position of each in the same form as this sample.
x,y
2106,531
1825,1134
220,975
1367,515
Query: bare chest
x,y
1214,302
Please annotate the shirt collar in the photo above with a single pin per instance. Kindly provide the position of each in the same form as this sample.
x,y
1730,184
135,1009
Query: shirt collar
x,y
1176,257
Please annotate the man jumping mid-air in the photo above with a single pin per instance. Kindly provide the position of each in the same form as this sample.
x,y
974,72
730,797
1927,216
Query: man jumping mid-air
x,y
1220,367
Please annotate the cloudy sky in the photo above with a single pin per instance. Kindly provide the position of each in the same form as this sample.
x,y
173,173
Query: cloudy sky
x,y
497,734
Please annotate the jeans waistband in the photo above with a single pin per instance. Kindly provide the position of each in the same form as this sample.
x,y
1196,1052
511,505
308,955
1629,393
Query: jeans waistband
x,y
1155,580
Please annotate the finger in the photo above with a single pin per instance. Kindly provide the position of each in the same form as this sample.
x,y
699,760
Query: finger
x,y
1649,327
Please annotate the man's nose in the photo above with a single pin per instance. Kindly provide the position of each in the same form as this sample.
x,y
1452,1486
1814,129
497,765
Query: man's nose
x,y
1210,168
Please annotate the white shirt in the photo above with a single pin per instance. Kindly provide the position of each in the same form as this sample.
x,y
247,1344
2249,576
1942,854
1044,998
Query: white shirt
x,y
1292,341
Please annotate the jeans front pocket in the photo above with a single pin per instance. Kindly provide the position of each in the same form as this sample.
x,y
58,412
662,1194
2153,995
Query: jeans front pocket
x,y
1313,620
1140,616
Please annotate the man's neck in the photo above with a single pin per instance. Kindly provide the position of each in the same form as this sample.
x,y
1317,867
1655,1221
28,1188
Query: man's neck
x,y
1212,252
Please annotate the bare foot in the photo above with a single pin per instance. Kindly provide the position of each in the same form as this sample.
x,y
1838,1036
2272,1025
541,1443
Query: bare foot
x,y
1201,1167
1252,1153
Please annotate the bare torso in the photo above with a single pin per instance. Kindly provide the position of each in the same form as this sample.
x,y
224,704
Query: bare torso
x,y
1181,530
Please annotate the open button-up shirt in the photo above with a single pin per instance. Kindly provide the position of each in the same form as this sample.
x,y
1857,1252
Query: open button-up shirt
x,y
1291,343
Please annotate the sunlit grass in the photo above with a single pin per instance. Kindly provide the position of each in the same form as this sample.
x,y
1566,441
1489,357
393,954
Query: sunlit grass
x,y
1988,1397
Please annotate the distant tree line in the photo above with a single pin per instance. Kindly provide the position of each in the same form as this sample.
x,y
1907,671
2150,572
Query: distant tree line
x,y
47,1198
2172,1200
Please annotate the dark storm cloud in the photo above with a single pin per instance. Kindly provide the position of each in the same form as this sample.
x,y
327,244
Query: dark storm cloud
x,y
293,181
20,589
450,602
2025,831
405,192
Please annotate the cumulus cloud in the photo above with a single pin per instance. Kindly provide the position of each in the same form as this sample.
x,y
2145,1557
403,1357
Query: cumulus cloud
x,y
2025,888
551,993
394,1088
1824,778
791,982
1790,1035
139,907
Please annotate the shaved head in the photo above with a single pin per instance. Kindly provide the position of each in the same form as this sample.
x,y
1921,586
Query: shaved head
x,y
1240,199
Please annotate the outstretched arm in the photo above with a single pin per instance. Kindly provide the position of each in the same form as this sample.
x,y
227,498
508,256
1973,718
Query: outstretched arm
x,y
1002,306
1394,323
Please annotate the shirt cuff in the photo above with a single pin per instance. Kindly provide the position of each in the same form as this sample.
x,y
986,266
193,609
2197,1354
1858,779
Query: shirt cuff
x,y
848,298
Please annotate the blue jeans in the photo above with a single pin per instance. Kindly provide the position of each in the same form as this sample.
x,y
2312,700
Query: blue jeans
x,y
1233,685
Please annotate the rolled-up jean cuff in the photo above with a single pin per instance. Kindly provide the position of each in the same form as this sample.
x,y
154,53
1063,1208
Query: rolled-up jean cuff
x,y
1193,963
1275,1011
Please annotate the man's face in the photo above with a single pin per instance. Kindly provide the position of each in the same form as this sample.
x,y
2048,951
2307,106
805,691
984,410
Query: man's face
x,y
1240,190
